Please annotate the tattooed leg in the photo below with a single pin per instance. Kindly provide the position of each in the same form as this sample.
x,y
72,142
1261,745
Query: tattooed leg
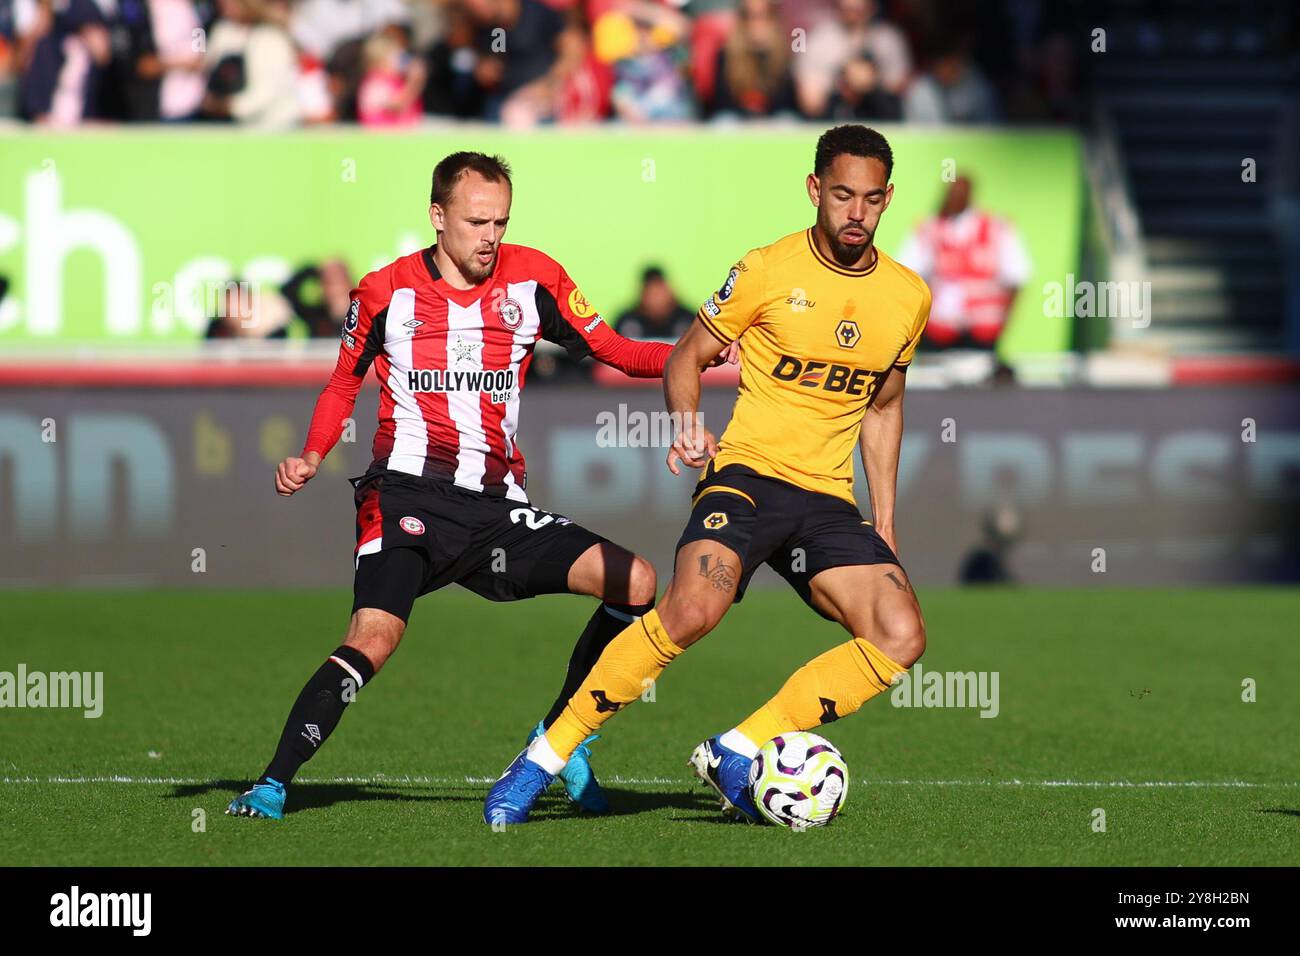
x,y
702,589
900,581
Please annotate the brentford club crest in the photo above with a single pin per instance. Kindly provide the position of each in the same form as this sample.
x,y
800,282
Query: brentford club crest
x,y
412,525
512,314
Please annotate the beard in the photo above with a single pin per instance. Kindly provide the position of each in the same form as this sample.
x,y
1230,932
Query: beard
x,y
474,270
845,253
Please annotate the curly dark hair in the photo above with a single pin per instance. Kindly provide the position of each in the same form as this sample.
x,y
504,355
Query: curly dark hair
x,y
856,140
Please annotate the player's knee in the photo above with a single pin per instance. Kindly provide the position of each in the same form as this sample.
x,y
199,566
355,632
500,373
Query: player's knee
x,y
904,636
375,634
642,583
687,621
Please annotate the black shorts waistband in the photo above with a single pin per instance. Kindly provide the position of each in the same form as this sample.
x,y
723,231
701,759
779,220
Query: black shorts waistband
x,y
713,475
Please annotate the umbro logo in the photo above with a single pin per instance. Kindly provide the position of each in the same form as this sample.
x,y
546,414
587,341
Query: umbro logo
x,y
413,323
603,704
312,733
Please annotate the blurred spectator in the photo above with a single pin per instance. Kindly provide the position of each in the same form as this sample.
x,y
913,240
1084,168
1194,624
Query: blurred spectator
x,y
246,313
454,62
711,23
252,65
658,314
428,21
986,563
575,90
856,33
645,44
320,296
315,91
585,82
157,71
175,58
320,27
754,65
63,52
393,84
974,263
11,11
519,45
952,90
860,94
333,33
128,94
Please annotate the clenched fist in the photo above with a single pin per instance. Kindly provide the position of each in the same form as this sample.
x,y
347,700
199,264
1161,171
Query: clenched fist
x,y
292,473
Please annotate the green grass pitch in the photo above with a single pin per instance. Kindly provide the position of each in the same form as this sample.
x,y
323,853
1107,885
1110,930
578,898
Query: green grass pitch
x,y
1125,701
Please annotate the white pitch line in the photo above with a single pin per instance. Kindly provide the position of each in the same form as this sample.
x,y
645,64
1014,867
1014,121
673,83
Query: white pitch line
x,y
660,781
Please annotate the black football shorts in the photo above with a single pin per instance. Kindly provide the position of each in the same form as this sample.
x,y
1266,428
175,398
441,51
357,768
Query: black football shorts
x,y
799,533
416,535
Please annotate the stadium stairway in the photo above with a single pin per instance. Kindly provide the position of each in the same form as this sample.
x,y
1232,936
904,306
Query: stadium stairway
x,y
1191,94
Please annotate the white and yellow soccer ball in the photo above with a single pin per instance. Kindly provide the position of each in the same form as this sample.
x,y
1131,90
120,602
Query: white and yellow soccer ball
x,y
799,780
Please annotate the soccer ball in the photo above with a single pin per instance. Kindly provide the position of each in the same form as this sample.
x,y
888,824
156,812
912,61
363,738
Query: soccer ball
x,y
799,780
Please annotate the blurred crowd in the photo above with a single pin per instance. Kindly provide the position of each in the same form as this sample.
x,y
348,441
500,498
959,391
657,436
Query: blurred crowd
x,y
391,63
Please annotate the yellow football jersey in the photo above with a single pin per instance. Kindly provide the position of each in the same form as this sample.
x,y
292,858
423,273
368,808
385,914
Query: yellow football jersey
x,y
816,340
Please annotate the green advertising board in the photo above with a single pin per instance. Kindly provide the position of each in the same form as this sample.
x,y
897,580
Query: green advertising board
x,y
105,236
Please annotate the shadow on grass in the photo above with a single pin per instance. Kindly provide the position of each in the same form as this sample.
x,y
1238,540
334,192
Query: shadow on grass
x,y
626,802
553,806
313,796
1282,810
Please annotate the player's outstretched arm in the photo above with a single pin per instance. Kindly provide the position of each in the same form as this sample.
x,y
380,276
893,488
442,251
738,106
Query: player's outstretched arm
x,y
695,351
568,319
630,356
879,442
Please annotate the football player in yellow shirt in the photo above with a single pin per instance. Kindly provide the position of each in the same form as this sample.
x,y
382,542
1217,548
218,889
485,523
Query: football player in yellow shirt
x,y
827,325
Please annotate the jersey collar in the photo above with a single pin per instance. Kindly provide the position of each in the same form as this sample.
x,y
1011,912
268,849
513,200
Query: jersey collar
x,y
835,266
462,297
427,255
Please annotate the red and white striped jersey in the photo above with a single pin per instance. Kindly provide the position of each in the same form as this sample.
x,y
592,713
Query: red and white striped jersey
x,y
973,263
451,364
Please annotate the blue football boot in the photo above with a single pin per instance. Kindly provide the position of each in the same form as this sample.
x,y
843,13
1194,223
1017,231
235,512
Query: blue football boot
x,y
728,773
514,794
578,777
263,800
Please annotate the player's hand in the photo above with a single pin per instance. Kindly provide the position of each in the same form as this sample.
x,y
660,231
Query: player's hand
x,y
292,473
693,446
728,356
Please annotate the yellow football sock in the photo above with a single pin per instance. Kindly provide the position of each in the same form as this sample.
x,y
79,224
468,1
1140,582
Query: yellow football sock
x,y
827,688
622,673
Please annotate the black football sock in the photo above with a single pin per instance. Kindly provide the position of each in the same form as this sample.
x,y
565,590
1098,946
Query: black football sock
x,y
317,711
606,624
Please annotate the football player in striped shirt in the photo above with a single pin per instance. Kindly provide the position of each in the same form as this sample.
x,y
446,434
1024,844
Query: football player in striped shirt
x,y
449,332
